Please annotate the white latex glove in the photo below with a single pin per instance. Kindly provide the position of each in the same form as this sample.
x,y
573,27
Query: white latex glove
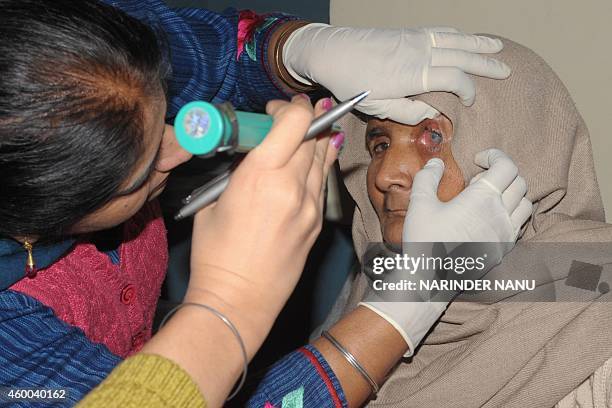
x,y
491,209
392,64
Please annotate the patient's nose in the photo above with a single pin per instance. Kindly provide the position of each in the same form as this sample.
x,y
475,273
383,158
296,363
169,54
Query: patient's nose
x,y
398,168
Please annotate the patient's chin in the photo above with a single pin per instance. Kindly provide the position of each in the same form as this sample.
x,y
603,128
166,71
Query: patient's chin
x,y
392,231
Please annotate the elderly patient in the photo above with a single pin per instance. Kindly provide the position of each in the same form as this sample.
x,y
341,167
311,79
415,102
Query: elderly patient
x,y
498,353
398,152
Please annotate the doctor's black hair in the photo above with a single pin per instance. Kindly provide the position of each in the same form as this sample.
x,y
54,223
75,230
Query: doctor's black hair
x,y
75,79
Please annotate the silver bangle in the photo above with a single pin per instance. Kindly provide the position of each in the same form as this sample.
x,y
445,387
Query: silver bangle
x,y
352,361
229,324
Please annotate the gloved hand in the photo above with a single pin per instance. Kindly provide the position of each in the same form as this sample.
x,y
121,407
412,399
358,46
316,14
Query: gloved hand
x,y
393,64
491,209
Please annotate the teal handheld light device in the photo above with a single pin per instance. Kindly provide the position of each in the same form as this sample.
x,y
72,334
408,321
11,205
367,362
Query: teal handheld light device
x,y
230,130
205,129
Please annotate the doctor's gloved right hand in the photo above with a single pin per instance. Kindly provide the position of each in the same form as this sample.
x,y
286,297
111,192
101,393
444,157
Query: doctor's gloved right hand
x,y
490,210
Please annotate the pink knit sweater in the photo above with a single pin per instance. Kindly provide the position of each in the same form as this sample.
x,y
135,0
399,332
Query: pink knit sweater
x,y
113,304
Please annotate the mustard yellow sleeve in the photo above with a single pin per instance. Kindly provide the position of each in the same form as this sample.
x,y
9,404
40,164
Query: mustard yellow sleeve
x,y
145,380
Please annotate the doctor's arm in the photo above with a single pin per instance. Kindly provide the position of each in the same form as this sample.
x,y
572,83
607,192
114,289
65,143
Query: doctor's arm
x,y
248,59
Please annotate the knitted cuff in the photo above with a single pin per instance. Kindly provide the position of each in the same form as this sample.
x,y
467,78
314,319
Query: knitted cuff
x,y
254,33
146,380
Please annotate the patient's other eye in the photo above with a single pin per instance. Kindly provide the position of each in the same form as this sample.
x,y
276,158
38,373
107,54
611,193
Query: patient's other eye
x,y
380,147
431,141
378,140
436,137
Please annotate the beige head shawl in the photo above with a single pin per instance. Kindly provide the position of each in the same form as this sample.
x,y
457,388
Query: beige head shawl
x,y
506,354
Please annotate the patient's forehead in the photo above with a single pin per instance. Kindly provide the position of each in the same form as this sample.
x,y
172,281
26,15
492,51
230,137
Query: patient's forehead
x,y
442,120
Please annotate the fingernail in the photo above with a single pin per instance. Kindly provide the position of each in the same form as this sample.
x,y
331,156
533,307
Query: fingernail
x,y
507,69
435,162
337,140
327,104
304,96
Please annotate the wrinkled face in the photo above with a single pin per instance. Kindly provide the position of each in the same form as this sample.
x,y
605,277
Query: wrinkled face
x,y
398,152
161,154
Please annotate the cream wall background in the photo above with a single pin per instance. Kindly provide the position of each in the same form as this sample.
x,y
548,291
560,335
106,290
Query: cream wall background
x,y
574,37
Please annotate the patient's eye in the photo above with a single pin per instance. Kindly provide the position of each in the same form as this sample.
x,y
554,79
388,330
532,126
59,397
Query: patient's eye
x,y
380,147
431,141
378,140
436,137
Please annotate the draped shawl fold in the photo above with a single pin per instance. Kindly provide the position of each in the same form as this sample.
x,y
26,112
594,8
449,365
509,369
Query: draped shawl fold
x,y
505,353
